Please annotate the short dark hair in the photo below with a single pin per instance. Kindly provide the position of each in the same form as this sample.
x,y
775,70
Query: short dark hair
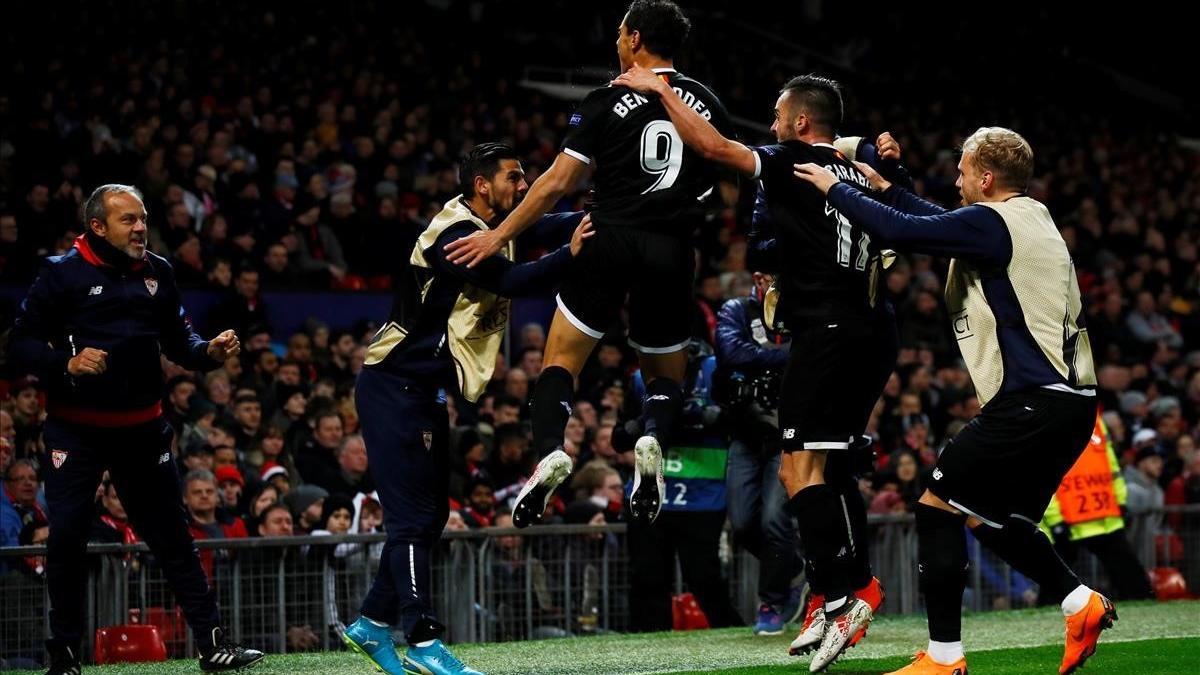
x,y
483,160
506,400
178,380
509,432
262,517
819,97
661,24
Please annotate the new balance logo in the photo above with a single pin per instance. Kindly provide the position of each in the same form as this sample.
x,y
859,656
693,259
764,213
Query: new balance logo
x,y
789,434
937,474
96,290
658,397
164,458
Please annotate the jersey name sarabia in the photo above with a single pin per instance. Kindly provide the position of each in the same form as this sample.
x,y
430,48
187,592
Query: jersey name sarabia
x,y
827,267
645,176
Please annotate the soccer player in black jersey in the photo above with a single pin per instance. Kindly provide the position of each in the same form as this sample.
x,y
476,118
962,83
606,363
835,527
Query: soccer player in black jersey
x,y
647,190
843,341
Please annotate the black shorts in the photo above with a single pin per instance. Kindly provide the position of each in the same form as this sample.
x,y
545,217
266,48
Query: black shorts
x,y
835,374
1010,459
654,270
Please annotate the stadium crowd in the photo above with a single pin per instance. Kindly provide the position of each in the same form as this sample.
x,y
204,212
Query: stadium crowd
x,y
316,168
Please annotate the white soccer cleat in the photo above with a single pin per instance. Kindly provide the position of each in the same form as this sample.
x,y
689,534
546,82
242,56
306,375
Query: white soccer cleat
x,y
810,635
838,632
649,488
533,498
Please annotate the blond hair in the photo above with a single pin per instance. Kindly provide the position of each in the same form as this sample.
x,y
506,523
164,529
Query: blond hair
x,y
1004,152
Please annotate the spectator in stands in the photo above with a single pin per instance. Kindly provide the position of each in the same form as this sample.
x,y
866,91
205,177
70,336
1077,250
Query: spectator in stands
x,y
206,520
506,410
352,476
481,503
306,503
317,457
111,525
530,361
230,483
18,502
180,390
27,416
341,352
1149,326
1141,477
275,521
242,309
509,461
247,412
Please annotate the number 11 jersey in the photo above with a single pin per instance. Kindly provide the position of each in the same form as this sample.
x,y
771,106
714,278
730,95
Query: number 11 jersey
x,y
645,177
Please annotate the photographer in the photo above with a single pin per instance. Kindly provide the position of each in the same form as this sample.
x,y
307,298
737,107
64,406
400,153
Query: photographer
x,y
750,358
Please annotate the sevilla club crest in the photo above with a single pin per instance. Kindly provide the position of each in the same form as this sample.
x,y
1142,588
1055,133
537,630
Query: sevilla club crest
x,y
152,285
427,436
57,457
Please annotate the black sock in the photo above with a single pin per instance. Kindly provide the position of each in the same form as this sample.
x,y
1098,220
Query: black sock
x,y
664,400
942,570
840,477
1021,544
819,515
550,408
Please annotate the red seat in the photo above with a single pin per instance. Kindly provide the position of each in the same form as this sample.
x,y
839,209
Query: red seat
x,y
129,644
1169,584
170,623
687,613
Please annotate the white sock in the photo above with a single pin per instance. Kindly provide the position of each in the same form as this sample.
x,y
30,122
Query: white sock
x,y
1076,600
373,622
835,605
425,644
945,653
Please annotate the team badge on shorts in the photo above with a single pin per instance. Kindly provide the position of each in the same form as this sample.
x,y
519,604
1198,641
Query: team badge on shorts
x,y
427,436
57,457
152,286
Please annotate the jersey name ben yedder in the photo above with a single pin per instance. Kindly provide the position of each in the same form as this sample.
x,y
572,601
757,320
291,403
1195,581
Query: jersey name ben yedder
x,y
645,177
827,265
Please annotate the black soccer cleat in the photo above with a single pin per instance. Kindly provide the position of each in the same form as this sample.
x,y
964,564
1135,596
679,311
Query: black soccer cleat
x,y
223,654
63,660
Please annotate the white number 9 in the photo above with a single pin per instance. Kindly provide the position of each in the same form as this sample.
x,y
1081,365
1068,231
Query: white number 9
x,y
662,154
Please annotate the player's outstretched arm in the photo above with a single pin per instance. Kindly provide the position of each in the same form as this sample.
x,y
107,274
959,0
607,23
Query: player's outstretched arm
x,y
563,174
972,232
696,132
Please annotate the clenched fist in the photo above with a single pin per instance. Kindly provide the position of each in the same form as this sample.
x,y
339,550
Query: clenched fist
x,y
90,361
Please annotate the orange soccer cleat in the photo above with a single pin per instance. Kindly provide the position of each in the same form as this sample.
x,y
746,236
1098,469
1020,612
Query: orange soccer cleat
x,y
1083,631
923,664
813,628
873,595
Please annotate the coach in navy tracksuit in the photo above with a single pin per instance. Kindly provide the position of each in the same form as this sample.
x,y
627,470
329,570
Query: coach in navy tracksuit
x,y
93,326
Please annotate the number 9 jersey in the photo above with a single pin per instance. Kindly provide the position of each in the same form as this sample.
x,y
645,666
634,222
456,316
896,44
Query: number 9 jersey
x,y
647,191
645,177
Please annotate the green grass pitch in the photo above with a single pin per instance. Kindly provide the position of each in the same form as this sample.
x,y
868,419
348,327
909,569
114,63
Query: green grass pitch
x,y
1149,638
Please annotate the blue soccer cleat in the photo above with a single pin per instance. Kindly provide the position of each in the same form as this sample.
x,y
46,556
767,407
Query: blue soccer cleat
x,y
434,660
770,622
374,642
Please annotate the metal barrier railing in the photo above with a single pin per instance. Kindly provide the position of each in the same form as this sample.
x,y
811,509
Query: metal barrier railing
x,y
492,584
